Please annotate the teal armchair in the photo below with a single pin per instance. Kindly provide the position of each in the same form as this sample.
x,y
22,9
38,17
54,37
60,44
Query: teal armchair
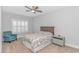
x,y
8,36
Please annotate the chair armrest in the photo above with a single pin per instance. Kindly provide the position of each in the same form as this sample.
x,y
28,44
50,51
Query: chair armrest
x,y
14,35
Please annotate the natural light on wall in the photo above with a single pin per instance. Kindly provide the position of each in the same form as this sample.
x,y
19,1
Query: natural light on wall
x,y
19,26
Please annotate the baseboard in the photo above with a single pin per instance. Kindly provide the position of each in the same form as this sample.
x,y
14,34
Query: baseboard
x,y
73,46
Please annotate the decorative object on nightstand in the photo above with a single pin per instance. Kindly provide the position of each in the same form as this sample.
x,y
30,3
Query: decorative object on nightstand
x,y
58,40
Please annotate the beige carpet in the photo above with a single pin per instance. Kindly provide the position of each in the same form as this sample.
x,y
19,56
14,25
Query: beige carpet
x,y
18,47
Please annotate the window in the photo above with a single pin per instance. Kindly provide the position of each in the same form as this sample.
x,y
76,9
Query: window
x,y
19,26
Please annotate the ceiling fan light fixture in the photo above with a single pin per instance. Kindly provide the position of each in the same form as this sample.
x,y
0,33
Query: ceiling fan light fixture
x,y
33,11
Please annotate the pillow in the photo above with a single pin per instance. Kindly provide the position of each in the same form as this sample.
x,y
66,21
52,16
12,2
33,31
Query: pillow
x,y
45,33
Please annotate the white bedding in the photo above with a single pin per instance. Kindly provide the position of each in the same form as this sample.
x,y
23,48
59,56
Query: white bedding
x,y
37,39
32,37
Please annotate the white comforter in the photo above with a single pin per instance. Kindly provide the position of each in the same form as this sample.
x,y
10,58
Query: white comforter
x,y
36,39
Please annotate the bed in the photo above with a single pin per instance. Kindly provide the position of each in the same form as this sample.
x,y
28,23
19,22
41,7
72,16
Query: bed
x,y
39,40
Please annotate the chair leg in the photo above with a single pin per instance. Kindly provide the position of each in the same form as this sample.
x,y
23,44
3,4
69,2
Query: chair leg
x,y
16,38
9,41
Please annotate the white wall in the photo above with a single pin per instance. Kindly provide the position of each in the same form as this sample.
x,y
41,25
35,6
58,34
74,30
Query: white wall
x,y
7,20
0,31
65,21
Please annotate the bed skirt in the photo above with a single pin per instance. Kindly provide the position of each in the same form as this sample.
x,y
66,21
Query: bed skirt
x,y
34,50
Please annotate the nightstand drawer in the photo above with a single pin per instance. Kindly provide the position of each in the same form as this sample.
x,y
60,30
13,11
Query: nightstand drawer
x,y
58,41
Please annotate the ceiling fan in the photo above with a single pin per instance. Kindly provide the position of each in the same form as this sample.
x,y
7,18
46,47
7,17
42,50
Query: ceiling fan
x,y
33,9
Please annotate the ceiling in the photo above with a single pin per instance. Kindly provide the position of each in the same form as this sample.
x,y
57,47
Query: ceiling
x,y
22,10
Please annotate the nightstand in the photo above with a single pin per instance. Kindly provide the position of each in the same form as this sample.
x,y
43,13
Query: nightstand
x,y
58,40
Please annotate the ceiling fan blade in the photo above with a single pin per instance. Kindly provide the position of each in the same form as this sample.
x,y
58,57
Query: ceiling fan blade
x,y
28,7
38,10
34,7
28,10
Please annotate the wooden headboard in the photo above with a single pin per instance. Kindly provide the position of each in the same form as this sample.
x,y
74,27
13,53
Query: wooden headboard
x,y
47,29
